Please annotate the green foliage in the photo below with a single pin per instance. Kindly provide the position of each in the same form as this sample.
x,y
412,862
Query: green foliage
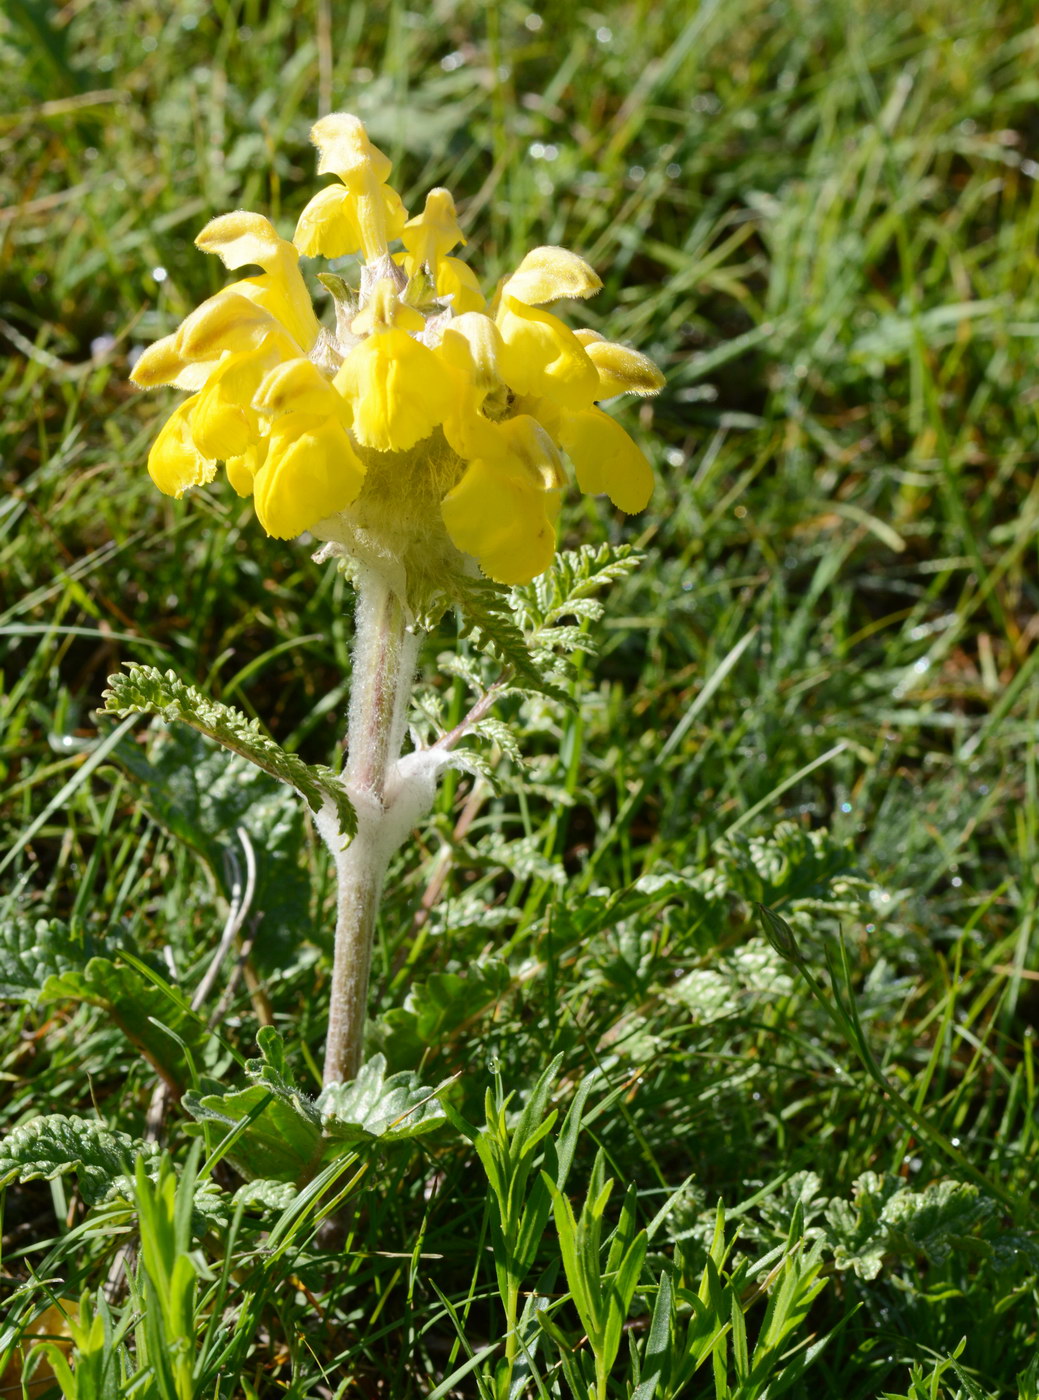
x,y
150,1013
99,1358
602,1289
56,1144
145,690
487,621
247,828
523,1162
379,1107
279,1134
554,611
32,951
532,633
166,1285
436,1009
816,693
887,1220
43,963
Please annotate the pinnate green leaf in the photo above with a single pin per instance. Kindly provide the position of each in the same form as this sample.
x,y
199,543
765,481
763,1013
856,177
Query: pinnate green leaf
x,y
146,690
886,1218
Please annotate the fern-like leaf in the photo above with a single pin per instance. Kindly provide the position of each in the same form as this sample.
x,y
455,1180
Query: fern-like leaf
x,y
146,690
569,589
488,620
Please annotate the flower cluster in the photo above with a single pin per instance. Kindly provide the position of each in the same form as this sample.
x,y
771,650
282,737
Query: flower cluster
x,y
429,421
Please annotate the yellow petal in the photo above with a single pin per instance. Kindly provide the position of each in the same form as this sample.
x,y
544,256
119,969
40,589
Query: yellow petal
x,y
543,358
175,463
472,344
547,274
228,321
502,519
530,445
225,424
470,347
327,227
161,364
298,386
241,471
345,149
311,471
241,238
621,370
398,390
457,280
288,302
606,459
429,236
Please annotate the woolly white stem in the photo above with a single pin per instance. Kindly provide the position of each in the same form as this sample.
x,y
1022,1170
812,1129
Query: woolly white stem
x,y
385,654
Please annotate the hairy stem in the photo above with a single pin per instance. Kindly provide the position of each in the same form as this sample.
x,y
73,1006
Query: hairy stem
x,y
384,659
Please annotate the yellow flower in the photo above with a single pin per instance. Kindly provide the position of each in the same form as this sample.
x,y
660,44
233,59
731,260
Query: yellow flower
x,y
364,214
175,463
429,424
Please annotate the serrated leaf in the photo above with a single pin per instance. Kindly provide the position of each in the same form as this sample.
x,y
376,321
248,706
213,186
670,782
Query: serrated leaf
x,y
568,589
435,1009
146,690
172,1037
373,1107
523,858
790,865
487,618
210,1206
286,1136
265,1195
56,1144
885,1218
31,950
499,734
280,1137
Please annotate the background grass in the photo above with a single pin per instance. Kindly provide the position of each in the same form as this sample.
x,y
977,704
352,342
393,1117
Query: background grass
x,y
821,221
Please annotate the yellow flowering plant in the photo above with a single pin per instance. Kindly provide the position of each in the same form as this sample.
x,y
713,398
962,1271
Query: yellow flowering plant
x,y
422,439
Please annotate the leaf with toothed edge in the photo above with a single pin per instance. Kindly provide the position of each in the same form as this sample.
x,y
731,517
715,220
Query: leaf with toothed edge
x,y
284,1135
56,1144
146,690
